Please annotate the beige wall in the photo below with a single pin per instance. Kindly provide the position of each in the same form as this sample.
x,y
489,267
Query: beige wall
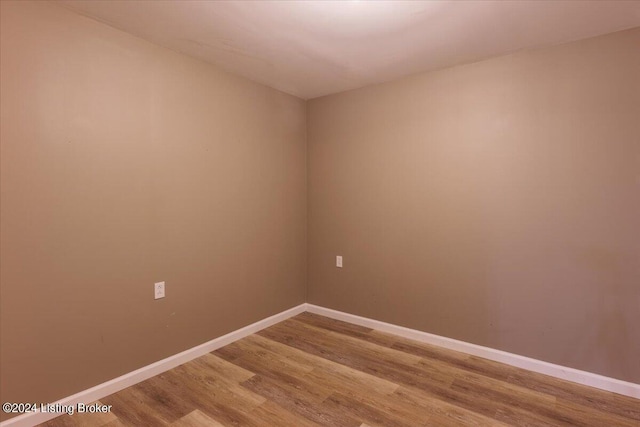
x,y
124,164
497,203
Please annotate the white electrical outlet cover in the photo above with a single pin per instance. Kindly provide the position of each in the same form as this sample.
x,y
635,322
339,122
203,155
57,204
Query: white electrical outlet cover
x,y
158,290
339,261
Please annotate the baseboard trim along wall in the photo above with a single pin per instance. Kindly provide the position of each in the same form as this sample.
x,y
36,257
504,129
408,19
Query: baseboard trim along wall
x,y
557,371
139,375
146,372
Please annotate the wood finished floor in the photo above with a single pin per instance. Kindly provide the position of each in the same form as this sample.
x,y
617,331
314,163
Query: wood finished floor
x,y
311,370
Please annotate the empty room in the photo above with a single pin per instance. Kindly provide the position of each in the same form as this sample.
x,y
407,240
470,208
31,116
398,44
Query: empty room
x,y
319,213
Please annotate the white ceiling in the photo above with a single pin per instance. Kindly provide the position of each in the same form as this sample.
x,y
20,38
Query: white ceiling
x,y
314,48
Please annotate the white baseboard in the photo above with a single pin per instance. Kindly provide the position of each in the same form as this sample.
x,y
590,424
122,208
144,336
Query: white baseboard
x,y
146,372
562,372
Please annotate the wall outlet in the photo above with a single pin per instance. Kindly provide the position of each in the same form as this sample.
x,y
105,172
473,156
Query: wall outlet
x,y
339,261
158,290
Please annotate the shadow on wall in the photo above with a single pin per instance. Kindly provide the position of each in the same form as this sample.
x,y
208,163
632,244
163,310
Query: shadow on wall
x,y
615,339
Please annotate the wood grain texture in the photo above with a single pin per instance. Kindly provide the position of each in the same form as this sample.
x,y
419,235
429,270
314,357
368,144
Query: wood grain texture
x,y
312,371
196,419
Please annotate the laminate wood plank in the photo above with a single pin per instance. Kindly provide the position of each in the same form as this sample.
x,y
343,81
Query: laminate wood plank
x,y
374,359
605,401
226,392
513,417
514,391
399,403
335,325
474,401
392,405
262,366
437,360
166,403
377,337
361,357
348,342
132,410
289,332
312,371
196,419
499,391
442,412
223,368
514,401
380,415
577,393
217,403
326,372
298,403
531,400
62,421
585,416
271,414
514,395
248,349
582,395
304,361
341,384
564,412
344,328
